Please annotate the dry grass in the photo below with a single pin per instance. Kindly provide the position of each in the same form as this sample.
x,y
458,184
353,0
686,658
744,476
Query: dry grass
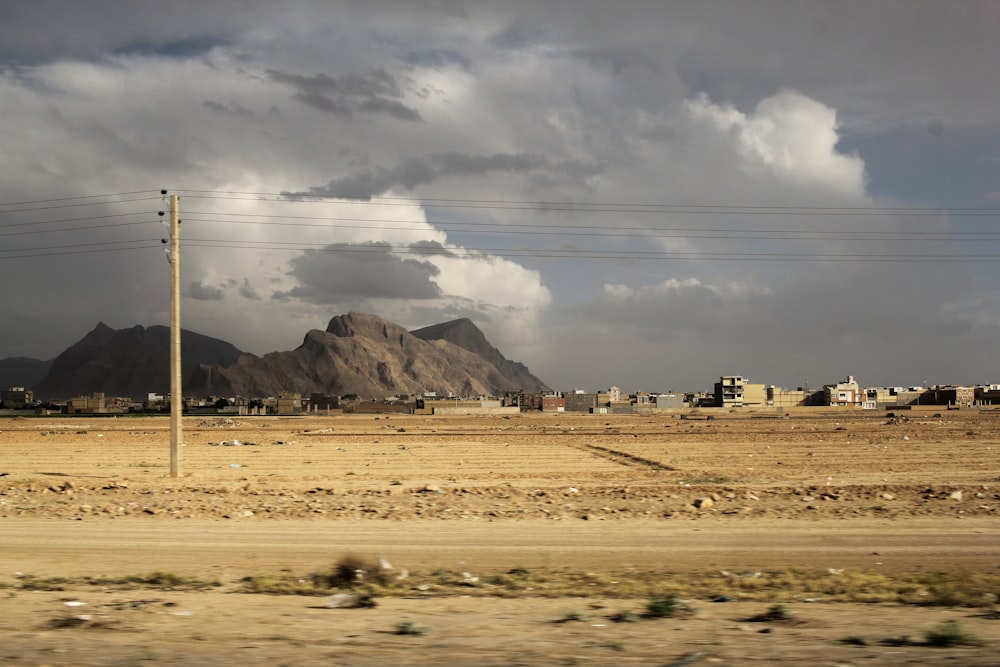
x,y
950,589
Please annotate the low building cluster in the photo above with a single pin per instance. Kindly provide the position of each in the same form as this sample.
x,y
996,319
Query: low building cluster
x,y
730,392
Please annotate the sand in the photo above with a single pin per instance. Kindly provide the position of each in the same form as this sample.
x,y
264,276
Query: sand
x,y
595,493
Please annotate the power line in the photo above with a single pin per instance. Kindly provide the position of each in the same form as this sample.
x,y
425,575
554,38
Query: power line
x,y
58,199
57,206
77,252
649,209
570,230
581,253
299,197
81,245
64,220
79,229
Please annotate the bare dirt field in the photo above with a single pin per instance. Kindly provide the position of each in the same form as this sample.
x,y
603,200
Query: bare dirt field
x,y
525,539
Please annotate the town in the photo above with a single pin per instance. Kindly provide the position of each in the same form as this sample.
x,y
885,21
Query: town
x,y
731,393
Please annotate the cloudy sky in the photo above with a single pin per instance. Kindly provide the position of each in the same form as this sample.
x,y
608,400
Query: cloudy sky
x,y
646,194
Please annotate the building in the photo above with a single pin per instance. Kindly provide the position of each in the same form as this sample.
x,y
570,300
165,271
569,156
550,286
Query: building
x,y
553,404
668,401
955,397
97,404
780,397
289,403
579,402
846,393
729,391
318,402
17,398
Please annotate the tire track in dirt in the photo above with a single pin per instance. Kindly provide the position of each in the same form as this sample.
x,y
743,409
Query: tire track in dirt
x,y
626,459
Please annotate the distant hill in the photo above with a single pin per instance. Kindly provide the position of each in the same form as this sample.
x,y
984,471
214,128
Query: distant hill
x,y
373,358
128,362
22,372
468,336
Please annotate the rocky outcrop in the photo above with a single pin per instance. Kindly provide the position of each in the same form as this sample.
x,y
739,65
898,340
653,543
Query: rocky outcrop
x,y
368,356
128,362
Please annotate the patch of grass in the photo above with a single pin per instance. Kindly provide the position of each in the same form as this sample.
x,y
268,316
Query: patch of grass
x,y
774,587
575,617
407,627
159,580
663,607
950,633
775,614
852,640
625,617
45,583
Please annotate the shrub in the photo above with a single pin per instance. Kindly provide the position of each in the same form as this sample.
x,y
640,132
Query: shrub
x,y
950,633
662,607
410,628
350,571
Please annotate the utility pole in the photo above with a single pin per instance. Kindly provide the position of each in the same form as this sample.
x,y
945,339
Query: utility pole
x,y
176,392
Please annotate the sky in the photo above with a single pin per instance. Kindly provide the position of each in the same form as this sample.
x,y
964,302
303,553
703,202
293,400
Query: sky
x,y
641,194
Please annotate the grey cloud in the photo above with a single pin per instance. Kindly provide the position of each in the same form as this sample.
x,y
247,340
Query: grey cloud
x,y
430,248
392,107
204,292
415,171
248,292
520,34
181,48
324,103
438,58
378,92
231,109
367,270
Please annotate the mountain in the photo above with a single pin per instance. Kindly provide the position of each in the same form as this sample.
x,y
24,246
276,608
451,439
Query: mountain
x,y
22,372
128,362
467,335
368,356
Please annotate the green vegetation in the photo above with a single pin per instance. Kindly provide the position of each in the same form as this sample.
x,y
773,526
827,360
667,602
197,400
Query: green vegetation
x,y
662,589
410,628
950,633
852,640
155,580
575,616
662,607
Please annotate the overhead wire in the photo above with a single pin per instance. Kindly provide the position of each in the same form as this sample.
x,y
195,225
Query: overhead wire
x,y
522,229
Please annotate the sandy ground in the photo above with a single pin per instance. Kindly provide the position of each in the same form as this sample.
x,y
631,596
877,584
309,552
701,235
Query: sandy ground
x,y
485,494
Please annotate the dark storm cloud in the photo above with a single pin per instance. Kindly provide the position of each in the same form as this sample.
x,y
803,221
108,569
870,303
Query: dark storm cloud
x,y
415,171
204,292
248,292
520,34
231,109
430,248
437,58
367,270
376,92
182,48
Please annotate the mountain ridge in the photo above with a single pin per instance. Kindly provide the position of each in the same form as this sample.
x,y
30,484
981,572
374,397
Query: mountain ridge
x,y
358,354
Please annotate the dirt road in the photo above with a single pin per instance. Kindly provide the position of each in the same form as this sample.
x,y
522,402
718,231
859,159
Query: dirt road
x,y
46,547
608,496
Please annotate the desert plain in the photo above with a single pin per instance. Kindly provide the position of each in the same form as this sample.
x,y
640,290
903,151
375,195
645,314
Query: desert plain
x,y
808,538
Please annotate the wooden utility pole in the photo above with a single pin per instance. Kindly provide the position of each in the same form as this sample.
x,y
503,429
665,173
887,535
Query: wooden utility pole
x,y
176,392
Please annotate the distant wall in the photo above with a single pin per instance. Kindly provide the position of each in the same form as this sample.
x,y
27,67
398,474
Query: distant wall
x,y
442,410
